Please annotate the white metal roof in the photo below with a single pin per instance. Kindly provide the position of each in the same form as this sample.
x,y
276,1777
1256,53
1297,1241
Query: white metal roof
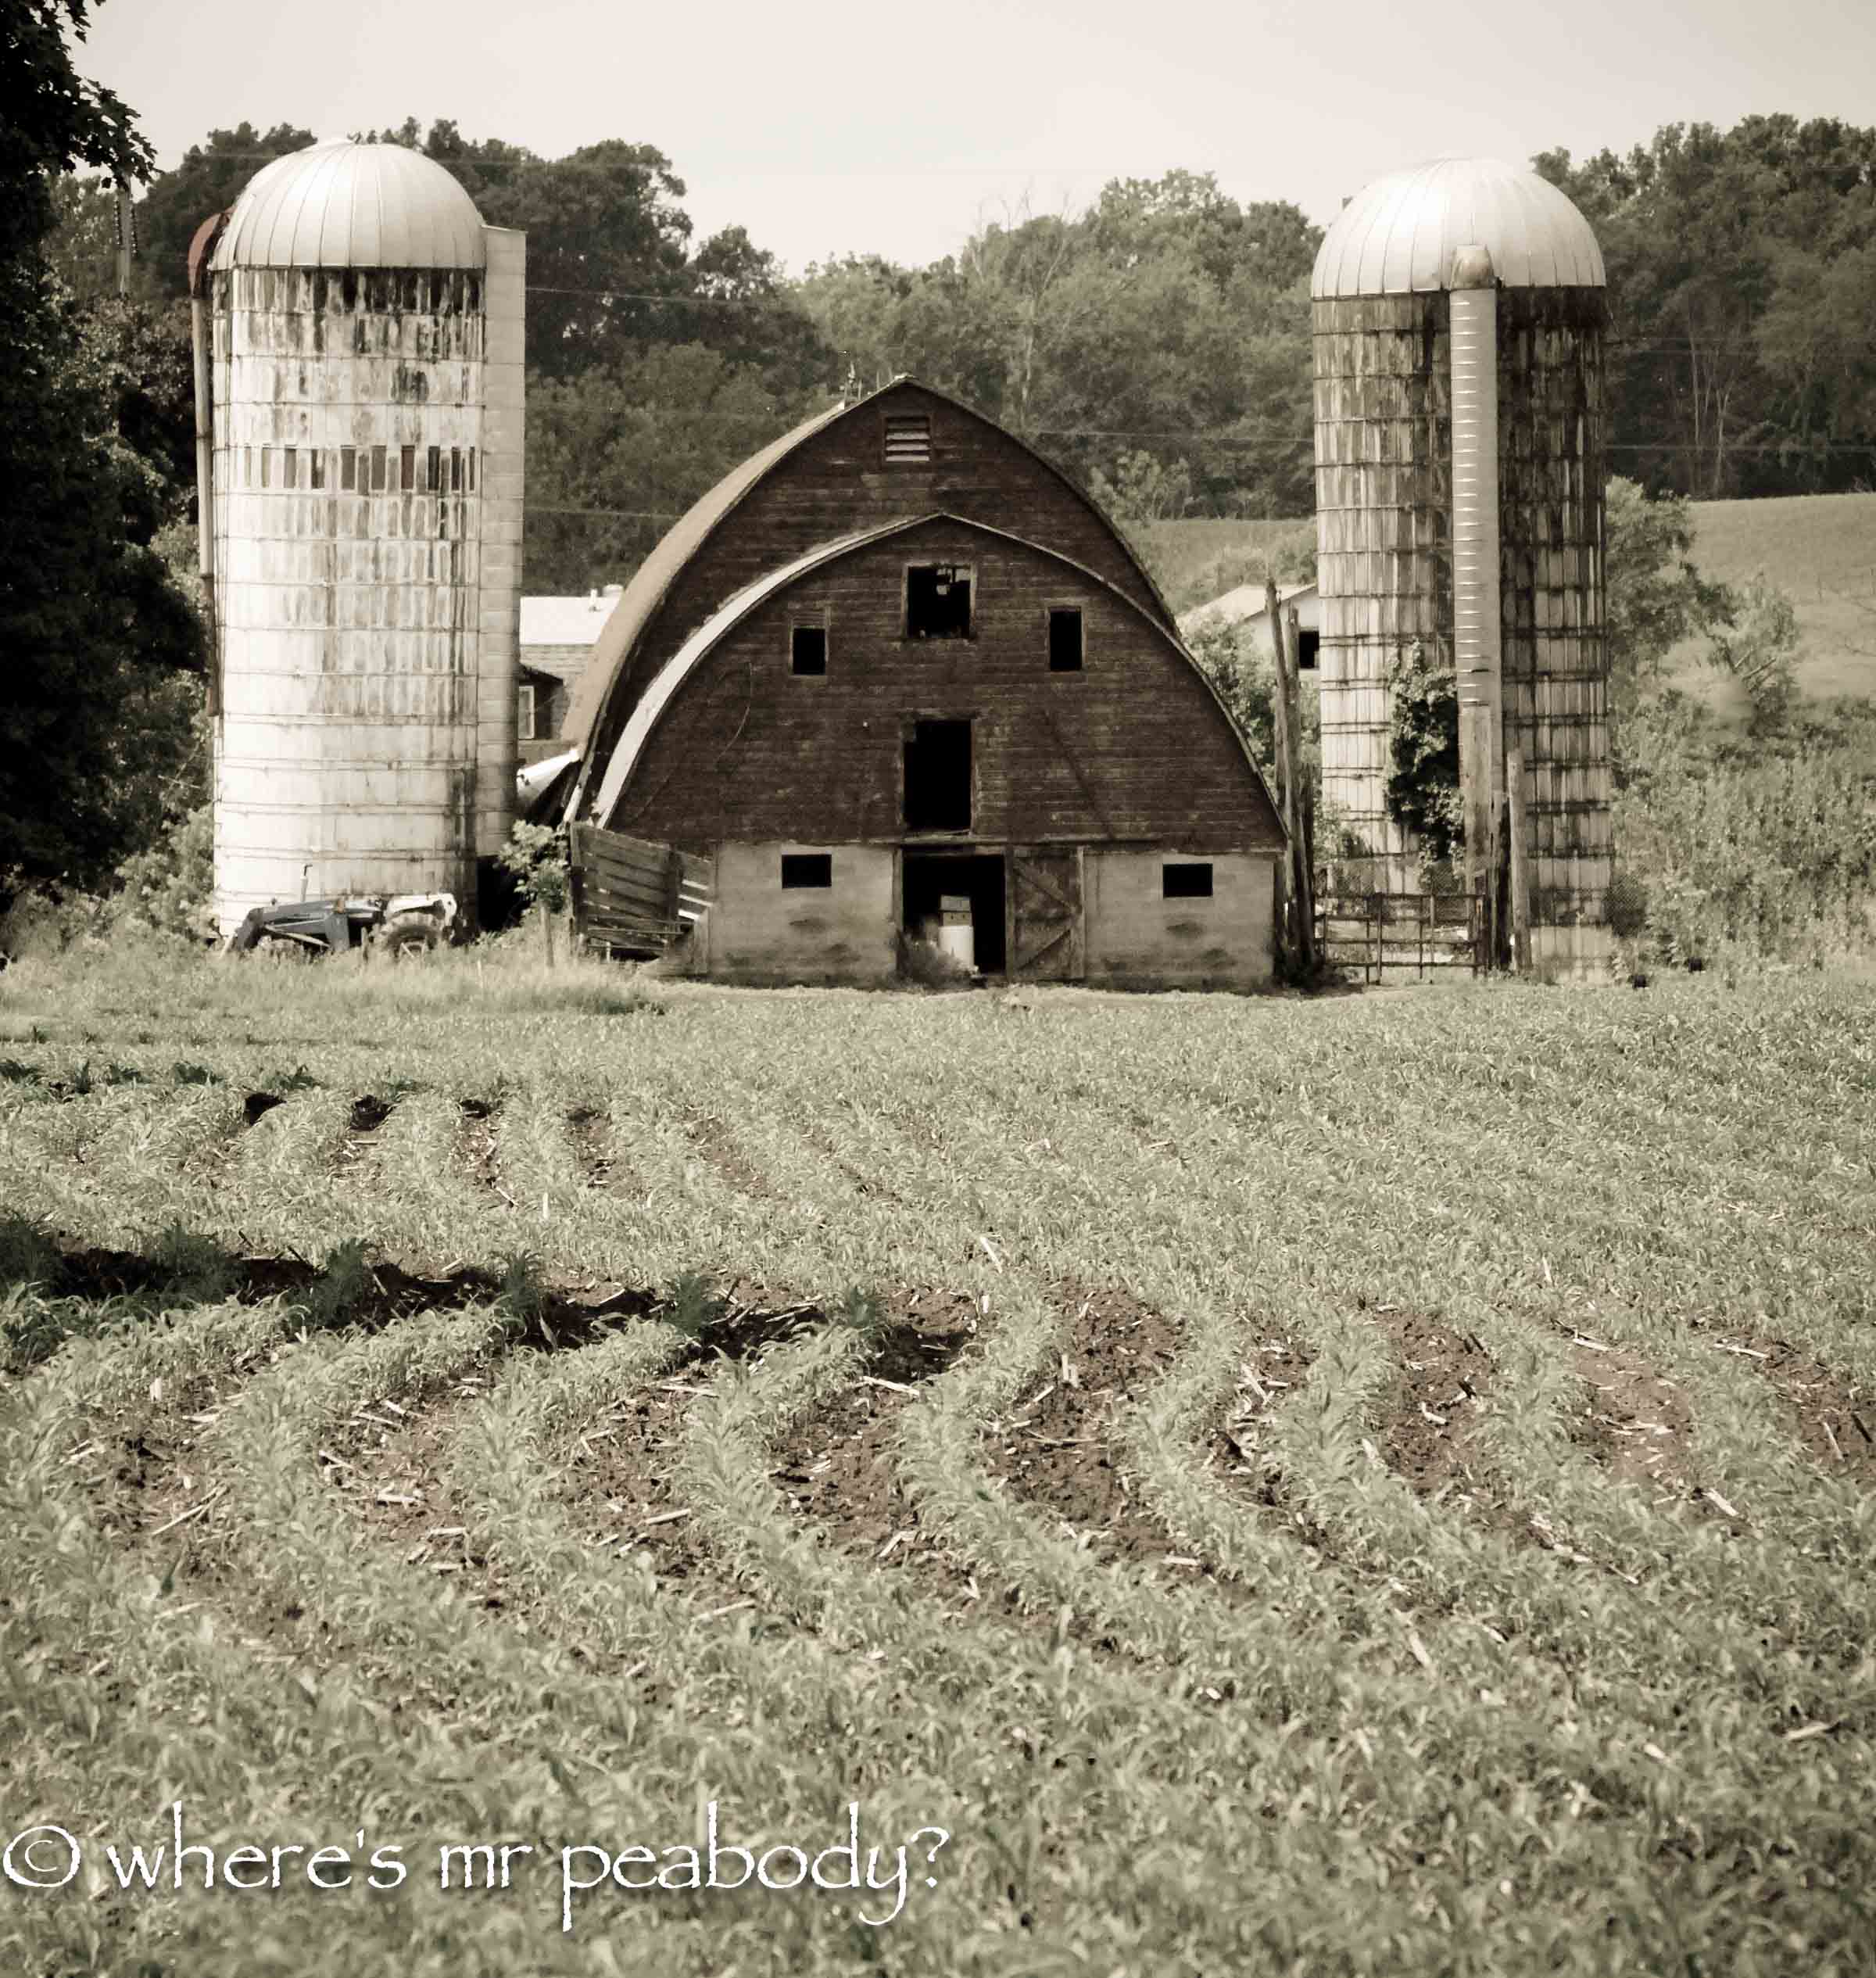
x,y
353,206
1247,602
1398,235
566,620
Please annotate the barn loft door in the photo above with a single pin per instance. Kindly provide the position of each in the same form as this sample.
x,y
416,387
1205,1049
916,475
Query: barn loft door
x,y
1045,912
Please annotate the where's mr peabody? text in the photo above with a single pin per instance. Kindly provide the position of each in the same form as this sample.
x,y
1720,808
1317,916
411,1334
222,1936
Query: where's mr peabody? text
x,y
47,1858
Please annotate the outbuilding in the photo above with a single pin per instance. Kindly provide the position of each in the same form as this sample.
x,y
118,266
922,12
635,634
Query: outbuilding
x,y
898,671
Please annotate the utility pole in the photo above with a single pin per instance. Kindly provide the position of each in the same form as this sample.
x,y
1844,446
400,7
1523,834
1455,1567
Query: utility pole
x,y
126,239
1303,803
1520,866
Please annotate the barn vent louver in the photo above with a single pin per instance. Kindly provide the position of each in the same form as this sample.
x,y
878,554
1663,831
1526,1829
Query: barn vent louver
x,y
908,437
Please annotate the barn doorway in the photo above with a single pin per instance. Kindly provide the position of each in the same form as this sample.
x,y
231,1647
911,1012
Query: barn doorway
x,y
931,879
938,776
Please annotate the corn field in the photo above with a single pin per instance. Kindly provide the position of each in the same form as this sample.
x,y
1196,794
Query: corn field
x,y
1166,1486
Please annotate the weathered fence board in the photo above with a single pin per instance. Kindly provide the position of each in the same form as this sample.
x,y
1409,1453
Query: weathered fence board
x,y
631,895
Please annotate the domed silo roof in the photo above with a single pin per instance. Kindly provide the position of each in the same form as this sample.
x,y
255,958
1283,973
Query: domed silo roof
x,y
1398,236
353,206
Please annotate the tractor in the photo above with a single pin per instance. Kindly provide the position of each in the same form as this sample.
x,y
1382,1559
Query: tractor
x,y
402,924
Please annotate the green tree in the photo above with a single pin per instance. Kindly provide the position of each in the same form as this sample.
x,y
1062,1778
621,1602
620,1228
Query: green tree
x,y
93,630
1166,323
611,270
615,455
1722,383
1655,599
208,180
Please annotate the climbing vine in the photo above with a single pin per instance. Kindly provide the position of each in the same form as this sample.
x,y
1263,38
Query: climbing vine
x,y
1423,752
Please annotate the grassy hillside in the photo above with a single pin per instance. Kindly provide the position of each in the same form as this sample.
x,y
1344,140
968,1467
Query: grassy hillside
x,y
1820,550
1194,561
1373,1485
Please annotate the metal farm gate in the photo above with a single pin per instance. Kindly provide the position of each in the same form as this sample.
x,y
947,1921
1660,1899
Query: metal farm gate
x,y
1424,931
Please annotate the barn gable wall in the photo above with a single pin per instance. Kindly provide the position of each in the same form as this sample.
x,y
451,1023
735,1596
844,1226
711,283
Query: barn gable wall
x,y
1133,748
835,481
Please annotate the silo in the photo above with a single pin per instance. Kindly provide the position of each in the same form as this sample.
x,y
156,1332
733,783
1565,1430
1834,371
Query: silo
x,y
1458,315
362,527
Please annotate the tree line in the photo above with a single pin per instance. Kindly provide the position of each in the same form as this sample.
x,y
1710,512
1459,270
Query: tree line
x,y
1156,344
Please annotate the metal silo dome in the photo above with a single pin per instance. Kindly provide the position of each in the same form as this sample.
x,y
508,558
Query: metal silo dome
x,y
353,206
1398,235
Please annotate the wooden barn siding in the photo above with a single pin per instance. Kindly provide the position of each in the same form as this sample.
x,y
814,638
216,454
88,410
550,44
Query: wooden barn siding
x,y
1132,747
836,482
1383,508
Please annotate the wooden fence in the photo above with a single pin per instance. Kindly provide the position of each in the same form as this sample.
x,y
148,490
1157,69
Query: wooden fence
x,y
632,897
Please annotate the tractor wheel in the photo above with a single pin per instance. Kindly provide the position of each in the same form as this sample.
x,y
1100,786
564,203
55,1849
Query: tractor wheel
x,y
408,934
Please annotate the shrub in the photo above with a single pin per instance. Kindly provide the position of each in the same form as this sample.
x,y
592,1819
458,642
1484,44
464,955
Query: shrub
x,y
1763,851
693,1305
193,1266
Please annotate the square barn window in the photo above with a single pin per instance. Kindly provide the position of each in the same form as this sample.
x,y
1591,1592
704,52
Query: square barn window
x,y
1065,639
807,648
908,437
938,601
1191,881
807,868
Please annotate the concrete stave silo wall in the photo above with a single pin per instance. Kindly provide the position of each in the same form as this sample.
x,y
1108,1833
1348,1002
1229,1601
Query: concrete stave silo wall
x,y
1383,542
351,617
1551,468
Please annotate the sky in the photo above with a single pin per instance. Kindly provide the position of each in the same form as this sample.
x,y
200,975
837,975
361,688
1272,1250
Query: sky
x,y
847,128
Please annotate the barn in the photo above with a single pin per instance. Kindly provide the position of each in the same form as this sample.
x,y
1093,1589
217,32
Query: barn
x,y
897,670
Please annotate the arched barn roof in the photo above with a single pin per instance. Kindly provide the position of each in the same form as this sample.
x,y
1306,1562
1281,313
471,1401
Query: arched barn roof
x,y
1398,236
353,206
671,677
614,650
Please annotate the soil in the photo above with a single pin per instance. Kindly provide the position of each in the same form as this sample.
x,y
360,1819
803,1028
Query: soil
x,y
596,1146
718,1146
1835,1422
837,1464
1054,1447
368,1113
1446,1382
479,1145
1272,1370
1635,1421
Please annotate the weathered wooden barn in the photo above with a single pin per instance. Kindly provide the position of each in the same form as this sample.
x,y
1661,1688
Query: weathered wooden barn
x,y
898,659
